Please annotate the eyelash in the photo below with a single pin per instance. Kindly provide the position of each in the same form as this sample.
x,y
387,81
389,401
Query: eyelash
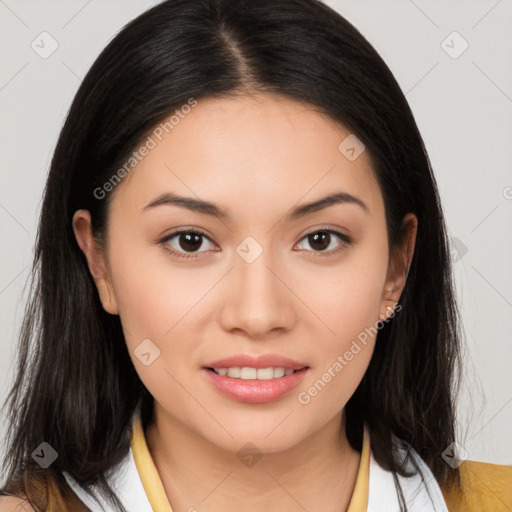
x,y
346,241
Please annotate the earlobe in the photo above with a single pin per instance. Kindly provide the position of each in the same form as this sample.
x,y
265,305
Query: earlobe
x,y
107,296
95,260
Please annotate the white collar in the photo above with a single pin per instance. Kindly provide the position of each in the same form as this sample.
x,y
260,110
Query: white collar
x,y
421,495
124,481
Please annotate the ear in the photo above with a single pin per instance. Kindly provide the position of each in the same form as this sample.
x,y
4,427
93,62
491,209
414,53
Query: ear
x,y
398,267
95,259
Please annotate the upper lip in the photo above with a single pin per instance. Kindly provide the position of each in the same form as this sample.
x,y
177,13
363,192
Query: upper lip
x,y
259,361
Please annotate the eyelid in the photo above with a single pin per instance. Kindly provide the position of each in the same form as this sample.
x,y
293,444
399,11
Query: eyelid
x,y
328,229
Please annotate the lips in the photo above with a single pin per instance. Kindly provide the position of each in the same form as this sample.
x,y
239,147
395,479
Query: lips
x,y
254,391
251,390
257,361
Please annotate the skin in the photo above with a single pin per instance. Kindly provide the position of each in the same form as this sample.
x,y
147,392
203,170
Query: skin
x,y
257,157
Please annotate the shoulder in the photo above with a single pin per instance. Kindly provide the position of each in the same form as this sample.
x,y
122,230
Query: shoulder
x,y
484,487
57,502
13,504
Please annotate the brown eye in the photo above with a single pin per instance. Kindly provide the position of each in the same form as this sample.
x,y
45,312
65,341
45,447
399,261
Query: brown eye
x,y
184,244
321,240
190,241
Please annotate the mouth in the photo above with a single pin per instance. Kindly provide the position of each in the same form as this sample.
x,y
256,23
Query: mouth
x,y
254,385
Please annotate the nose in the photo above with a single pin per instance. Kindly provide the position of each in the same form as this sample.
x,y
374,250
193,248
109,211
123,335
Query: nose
x,y
258,299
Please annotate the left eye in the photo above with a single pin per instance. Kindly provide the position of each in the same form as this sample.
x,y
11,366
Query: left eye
x,y
321,240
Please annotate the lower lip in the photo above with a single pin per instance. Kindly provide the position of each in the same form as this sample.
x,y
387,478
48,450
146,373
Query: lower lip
x,y
253,391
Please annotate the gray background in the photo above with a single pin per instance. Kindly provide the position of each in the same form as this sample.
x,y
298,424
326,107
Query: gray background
x,y
462,104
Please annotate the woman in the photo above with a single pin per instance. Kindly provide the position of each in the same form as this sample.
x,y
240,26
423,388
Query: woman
x,y
242,286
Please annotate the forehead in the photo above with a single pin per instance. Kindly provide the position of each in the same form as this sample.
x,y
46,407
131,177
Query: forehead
x,y
260,150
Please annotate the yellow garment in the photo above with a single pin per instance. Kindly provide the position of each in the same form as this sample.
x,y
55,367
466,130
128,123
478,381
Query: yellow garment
x,y
485,488
158,498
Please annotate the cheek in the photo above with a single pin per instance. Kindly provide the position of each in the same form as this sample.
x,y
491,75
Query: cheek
x,y
152,294
343,355
345,299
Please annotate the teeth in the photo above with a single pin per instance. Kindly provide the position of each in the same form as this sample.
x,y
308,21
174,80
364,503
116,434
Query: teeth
x,y
254,373
234,372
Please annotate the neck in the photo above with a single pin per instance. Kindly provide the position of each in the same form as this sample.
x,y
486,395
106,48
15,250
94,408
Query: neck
x,y
196,473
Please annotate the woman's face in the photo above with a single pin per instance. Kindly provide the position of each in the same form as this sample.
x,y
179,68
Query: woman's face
x,y
258,280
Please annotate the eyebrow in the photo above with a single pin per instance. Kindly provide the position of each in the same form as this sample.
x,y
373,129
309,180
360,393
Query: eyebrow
x,y
208,208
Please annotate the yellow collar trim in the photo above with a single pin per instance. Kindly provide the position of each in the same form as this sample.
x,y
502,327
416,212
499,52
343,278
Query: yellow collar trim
x,y
359,501
160,503
146,468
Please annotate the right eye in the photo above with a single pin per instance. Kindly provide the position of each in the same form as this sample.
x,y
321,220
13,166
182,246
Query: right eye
x,y
186,240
